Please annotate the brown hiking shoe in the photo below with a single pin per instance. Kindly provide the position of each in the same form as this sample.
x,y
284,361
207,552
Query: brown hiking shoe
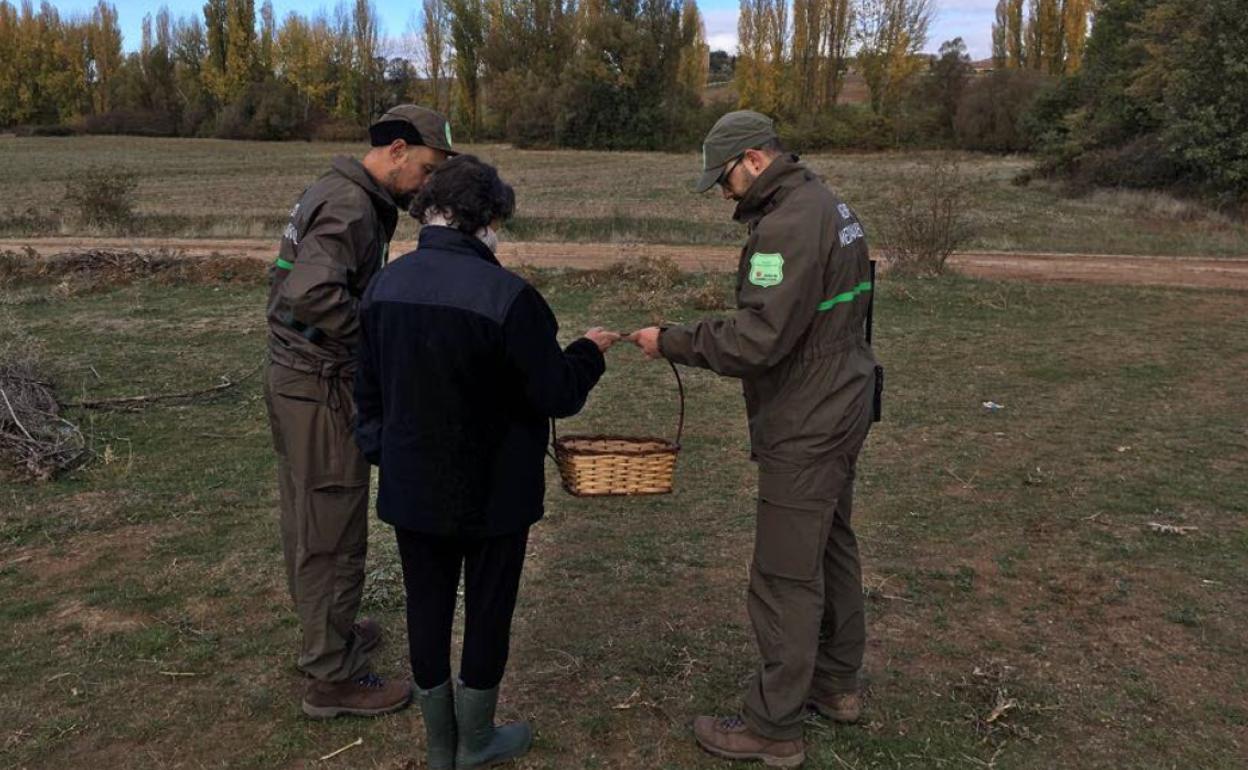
x,y
364,696
731,738
368,631
843,707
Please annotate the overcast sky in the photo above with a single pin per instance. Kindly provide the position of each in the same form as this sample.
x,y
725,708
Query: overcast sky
x,y
969,19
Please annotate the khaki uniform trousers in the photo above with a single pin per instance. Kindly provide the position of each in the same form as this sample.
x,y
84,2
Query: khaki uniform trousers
x,y
323,484
805,596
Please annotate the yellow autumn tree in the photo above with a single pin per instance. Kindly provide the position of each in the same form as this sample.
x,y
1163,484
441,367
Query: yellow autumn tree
x,y
1044,38
1075,20
890,35
805,55
104,44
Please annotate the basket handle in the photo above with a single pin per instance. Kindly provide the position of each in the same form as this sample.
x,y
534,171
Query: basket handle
x,y
680,421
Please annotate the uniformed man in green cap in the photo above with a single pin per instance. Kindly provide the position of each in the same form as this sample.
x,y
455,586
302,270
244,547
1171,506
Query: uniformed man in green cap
x,y
337,239
797,343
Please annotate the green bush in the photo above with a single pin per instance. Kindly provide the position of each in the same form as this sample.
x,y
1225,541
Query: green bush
x,y
54,129
992,112
845,127
132,122
270,110
1162,101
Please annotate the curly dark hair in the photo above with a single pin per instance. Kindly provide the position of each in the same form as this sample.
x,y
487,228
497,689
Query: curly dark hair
x,y
469,191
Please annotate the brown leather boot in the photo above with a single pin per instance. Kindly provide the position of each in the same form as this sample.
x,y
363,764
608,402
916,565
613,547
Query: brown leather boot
x,y
843,707
368,631
731,738
365,696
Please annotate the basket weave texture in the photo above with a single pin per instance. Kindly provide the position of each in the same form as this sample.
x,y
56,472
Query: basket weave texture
x,y
619,465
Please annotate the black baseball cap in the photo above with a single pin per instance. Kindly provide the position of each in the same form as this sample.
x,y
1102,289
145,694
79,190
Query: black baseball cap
x,y
413,124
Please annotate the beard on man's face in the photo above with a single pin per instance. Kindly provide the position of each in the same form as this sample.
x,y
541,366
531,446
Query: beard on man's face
x,y
404,200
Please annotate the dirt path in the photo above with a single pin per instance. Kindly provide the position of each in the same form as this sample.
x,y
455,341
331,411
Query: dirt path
x,y
1189,272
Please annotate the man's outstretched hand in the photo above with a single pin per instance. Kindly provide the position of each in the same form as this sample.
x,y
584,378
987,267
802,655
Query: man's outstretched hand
x,y
602,338
648,340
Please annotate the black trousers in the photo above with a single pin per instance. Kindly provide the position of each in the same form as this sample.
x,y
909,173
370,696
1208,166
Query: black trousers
x,y
431,570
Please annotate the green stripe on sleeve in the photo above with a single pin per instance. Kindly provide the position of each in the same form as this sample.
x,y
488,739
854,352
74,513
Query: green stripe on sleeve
x,y
848,296
283,264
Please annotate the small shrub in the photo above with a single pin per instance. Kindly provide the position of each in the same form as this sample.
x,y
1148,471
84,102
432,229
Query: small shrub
x,y
929,218
104,196
28,221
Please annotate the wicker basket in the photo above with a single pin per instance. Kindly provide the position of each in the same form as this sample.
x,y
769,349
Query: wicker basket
x,y
619,465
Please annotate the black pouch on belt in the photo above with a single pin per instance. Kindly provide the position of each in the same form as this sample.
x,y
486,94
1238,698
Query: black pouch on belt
x,y
877,404
877,407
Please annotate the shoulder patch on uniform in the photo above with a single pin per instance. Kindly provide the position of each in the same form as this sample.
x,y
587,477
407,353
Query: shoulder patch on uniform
x,y
844,210
766,269
851,233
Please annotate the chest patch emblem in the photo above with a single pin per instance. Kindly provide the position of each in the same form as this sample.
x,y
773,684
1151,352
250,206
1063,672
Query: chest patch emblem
x,y
766,269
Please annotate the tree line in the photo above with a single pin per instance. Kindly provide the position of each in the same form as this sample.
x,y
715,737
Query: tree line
x,y
603,73
1160,101
1119,92
795,58
1049,38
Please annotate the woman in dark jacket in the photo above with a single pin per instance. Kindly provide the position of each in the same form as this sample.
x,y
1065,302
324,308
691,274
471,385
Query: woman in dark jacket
x,y
459,374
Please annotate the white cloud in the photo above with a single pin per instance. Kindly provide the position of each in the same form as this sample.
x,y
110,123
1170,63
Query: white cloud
x,y
721,29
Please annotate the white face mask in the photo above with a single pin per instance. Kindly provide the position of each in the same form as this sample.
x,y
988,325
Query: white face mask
x,y
489,238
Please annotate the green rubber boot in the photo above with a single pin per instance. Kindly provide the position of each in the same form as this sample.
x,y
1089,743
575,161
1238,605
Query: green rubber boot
x,y
438,708
481,744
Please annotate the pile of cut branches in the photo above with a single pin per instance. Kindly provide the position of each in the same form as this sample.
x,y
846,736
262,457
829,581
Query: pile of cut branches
x,y
35,441
100,268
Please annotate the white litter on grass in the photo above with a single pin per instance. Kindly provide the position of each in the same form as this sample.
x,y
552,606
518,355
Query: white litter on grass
x,y
993,406
1169,529
351,745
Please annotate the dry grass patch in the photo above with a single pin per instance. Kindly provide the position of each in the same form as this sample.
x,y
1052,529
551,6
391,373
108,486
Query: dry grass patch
x,y
211,188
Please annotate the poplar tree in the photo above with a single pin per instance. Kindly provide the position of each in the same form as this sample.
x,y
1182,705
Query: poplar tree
x,y
467,28
695,57
1000,34
805,51
104,44
839,27
1075,16
434,36
240,48
891,33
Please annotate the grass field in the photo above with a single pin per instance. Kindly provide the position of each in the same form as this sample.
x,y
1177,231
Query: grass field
x,y
1021,612
211,188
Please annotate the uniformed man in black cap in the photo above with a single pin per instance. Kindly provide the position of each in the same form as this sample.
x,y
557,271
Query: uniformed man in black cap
x,y
337,239
797,343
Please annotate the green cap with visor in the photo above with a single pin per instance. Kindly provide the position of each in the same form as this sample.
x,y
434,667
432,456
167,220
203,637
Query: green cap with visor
x,y
728,139
413,124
